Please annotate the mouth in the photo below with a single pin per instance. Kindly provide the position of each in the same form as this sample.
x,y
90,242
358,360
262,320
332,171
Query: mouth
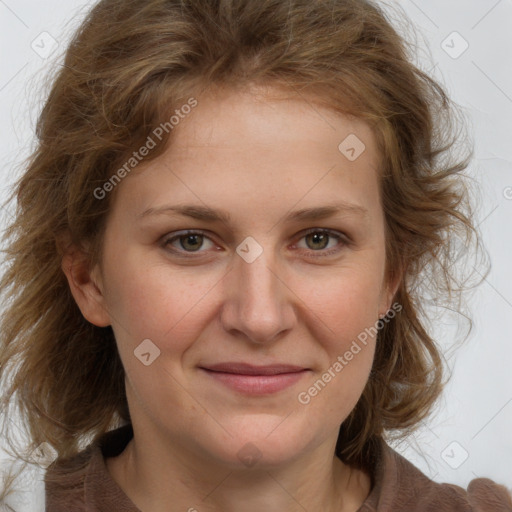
x,y
255,380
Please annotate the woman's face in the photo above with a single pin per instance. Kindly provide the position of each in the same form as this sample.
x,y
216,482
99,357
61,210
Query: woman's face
x,y
224,331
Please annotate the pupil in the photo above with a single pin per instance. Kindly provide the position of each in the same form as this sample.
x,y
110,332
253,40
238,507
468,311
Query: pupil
x,y
191,242
318,238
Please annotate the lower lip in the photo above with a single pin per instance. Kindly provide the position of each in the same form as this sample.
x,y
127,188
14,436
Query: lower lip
x,y
257,384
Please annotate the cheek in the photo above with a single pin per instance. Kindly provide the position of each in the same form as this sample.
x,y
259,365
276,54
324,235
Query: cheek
x,y
335,389
345,300
170,309
347,305
149,301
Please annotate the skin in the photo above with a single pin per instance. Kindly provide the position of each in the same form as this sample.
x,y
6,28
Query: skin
x,y
257,156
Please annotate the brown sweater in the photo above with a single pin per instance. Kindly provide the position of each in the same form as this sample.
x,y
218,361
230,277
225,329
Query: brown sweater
x,y
397,485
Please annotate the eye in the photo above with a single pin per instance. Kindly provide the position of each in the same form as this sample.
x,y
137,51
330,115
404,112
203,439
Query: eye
x,y
322,240
188,242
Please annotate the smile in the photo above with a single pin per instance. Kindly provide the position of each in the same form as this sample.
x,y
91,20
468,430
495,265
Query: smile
x,y
255,380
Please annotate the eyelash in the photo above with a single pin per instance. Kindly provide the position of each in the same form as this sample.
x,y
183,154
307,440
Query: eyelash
x,y
342,241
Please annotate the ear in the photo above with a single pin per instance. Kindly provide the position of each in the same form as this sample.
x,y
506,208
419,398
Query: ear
x,y
389,289
85,285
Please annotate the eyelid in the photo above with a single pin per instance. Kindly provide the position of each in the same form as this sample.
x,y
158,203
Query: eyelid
x,y
329,231
340,236
176,235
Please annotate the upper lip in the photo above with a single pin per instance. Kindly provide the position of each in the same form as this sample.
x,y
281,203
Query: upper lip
x,y
249,369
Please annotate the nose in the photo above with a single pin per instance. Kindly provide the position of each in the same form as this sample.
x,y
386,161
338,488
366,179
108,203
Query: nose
x,y
258,304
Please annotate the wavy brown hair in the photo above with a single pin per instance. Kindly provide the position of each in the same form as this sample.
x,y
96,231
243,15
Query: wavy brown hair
x,y
129,65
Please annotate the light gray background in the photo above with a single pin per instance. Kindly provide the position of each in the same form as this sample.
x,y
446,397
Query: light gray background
x,y
471,434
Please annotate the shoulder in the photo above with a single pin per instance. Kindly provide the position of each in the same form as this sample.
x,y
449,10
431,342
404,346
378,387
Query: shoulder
x,y
65,481
484,494
82,483
399,486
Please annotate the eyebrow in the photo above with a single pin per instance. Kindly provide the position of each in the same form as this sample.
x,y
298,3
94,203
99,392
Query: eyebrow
x,y
205,213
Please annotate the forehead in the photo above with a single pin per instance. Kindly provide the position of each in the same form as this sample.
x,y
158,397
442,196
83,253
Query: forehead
x,y
265,118
236,146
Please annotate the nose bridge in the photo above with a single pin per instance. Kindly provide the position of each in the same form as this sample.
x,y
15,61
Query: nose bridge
x,y
257,302
258,282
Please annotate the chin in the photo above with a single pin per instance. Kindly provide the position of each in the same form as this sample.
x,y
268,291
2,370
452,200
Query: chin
x,y
263,445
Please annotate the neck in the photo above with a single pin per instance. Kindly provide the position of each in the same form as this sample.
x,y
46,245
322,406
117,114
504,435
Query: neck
x,y
153,479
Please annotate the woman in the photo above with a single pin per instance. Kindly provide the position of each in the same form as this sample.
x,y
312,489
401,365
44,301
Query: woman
x,y
214,265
